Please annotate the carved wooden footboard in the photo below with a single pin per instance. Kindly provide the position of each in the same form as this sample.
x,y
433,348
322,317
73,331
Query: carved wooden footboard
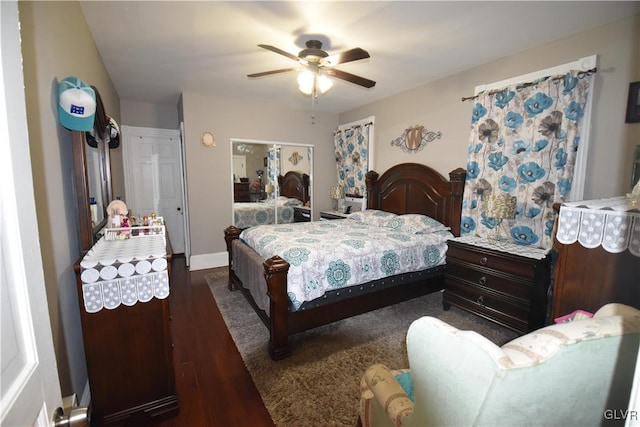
x,y
404,188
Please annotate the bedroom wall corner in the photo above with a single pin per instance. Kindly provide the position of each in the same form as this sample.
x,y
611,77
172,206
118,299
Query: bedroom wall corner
x,y
208,169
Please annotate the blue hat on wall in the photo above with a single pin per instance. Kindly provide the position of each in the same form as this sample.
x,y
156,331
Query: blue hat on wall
x,y
76,104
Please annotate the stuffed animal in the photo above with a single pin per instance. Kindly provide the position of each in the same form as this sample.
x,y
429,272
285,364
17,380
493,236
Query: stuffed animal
x,y
115,210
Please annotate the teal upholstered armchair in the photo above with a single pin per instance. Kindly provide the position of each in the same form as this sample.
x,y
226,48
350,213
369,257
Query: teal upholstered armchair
x,y
572,374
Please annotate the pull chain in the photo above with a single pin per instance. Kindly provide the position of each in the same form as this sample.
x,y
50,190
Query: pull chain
x,y
314,99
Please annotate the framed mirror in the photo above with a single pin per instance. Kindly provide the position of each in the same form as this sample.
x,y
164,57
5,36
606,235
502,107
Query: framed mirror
x,y
92,177
271,181
94,181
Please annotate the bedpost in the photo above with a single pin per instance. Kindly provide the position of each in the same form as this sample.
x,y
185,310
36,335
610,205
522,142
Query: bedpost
x,y
275,272
457,178
371,178
306,183
231,233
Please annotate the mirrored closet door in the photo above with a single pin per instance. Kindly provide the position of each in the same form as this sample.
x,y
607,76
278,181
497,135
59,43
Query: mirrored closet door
x,y
271,181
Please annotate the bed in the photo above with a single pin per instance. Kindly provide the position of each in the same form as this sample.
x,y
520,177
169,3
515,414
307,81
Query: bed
x,y
294,191
407,188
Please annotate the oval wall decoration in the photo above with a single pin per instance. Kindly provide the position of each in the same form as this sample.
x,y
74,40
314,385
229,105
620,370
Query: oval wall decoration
x,y
415,138
295,158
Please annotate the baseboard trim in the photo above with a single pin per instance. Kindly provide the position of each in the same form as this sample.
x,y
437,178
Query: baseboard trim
x,y
201,262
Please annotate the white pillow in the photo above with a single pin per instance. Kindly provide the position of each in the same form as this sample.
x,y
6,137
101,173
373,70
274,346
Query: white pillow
x,y
415,224
288,201
372,217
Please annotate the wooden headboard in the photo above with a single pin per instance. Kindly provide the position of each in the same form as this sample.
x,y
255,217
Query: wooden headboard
x,y
416,188
295,185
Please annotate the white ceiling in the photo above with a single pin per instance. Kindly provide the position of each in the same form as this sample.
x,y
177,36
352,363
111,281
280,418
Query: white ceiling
x,y
153,51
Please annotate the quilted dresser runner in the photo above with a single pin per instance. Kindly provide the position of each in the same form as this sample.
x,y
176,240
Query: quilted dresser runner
x,y
124,272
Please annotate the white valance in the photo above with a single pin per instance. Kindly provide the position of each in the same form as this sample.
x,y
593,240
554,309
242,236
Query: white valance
x,y
124,272
611,223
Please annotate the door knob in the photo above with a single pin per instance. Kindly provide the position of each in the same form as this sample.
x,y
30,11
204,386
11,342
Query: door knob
x,y
179,209
77,417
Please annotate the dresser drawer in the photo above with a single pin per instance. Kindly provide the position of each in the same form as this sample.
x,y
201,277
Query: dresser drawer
x,y
487,304
485,278
501,261
499,285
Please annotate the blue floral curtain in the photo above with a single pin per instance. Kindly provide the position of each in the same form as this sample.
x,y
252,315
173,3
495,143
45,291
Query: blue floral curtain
x,y
352,157
524,141
273,167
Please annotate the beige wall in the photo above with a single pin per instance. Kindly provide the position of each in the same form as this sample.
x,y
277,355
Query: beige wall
x,y
209,169
438,106
56,43
144,114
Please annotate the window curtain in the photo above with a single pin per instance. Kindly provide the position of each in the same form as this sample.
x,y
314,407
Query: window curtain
x,y
352,157
273,167
523,143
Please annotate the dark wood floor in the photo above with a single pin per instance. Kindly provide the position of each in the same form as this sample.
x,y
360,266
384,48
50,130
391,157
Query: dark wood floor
x,y
214,387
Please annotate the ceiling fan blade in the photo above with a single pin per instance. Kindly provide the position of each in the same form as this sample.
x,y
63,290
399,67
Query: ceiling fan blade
x,y
351,78
346,56
267,73
279,51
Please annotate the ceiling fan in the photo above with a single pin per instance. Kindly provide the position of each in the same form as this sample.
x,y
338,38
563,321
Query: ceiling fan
x,y
318,62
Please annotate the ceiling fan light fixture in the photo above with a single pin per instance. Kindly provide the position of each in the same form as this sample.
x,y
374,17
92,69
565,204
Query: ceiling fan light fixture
x,y
310,82
324,83
316,79
306,81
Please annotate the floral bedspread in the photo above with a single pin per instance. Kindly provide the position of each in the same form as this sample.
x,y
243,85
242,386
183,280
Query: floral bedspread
x,y
247,214
328,255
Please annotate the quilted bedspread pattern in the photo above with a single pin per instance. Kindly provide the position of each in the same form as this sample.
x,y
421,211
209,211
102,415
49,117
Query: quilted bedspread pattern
x,y
329,255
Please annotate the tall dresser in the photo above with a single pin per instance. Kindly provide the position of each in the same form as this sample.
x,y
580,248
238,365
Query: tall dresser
x,y
123,289
598,246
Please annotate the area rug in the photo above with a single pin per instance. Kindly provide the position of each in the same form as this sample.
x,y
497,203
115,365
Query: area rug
x,y
319,385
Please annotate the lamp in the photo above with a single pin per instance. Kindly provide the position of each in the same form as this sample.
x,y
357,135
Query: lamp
x,y
500,207
336,193
269,190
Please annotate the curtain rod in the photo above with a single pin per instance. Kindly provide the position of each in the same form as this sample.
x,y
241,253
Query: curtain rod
x,y
354,126
527,84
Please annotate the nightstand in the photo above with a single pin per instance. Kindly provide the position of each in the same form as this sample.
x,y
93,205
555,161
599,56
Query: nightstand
x,y
504,283
301,214
332,215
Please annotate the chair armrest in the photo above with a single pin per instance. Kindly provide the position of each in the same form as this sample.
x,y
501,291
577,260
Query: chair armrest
x,y
615,309
379,382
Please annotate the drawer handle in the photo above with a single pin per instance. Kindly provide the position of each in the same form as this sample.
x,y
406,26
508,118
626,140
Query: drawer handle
x,y
482,280
483,260
480,300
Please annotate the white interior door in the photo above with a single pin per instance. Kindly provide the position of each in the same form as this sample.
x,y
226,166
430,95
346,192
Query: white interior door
x,y
153,178
30,388
239,167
